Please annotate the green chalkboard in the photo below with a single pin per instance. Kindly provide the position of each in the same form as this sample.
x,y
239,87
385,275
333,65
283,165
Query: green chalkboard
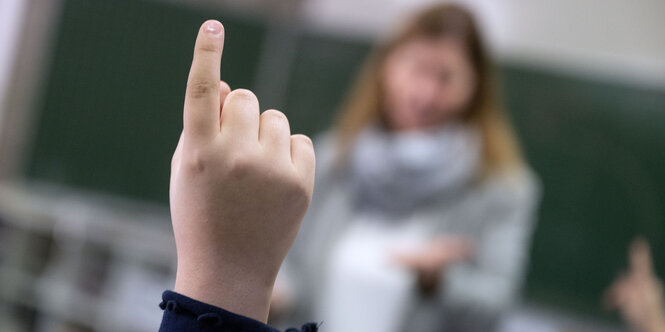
x,y
324,68
600,150
111,110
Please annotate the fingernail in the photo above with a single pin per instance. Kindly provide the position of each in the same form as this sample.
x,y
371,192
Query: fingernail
x,y
213,27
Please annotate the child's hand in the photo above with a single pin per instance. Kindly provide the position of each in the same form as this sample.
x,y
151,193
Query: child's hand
x,y
431,261
638,294
240,185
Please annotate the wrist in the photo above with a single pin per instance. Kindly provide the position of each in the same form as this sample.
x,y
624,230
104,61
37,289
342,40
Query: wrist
x,y
657,324
236,291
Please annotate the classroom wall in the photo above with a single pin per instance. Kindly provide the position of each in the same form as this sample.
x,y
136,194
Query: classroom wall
x,y
595,138
611,39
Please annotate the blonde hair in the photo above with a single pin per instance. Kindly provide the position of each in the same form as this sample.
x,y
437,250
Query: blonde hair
x,y
363,106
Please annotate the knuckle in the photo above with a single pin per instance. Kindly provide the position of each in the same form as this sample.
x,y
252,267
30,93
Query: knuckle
x,y
208,48
301,193
304,139
199,89
195,165
242,94
241,165
275,118
300,186
196,161
272,113
305,148
174,160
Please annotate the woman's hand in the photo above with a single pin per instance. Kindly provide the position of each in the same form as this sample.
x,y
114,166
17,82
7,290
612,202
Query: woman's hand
x,y
430,261
240,186
638,294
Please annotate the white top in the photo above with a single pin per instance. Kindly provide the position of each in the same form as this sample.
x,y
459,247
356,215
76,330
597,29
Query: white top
x,y
363,289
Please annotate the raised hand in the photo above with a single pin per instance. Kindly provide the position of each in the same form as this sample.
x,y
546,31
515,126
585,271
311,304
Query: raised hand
x,y
638,294
240,185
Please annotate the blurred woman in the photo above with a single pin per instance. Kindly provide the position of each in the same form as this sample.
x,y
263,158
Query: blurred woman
x,y
423,207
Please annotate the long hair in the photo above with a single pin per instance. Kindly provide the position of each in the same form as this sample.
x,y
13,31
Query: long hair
x,y
364,103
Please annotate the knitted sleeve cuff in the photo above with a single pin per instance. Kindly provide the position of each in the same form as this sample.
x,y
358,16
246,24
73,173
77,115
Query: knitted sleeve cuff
x,y
184,314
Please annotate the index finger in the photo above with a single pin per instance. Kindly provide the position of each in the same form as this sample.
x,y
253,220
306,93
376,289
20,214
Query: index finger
x,y
202,99
640,257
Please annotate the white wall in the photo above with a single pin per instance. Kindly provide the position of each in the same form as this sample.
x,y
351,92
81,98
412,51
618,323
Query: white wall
x,y
612,39
12,13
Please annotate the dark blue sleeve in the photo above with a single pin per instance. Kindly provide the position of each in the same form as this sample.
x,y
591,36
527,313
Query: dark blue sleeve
x,y
184,314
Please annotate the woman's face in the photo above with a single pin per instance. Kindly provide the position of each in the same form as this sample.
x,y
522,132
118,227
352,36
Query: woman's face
x,y
426,82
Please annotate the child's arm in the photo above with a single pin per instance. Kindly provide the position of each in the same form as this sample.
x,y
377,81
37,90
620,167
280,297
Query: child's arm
x,y
240,185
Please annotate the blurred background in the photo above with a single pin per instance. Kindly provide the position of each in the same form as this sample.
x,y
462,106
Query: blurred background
x,y
91,95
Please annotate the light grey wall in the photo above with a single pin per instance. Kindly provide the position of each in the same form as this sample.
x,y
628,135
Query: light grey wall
x,y
26,36
612,39
12,13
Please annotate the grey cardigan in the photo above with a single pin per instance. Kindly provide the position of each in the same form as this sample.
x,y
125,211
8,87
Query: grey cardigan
x,y
498,213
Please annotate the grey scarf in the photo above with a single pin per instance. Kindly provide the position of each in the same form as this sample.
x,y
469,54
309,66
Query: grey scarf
x,y
396,173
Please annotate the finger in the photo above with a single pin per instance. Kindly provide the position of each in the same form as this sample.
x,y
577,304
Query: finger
x,y
175,160
405,259
303,158
452,248
464,249
201,111
418,259
275,134
224,90
613,296
640,258
240,116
